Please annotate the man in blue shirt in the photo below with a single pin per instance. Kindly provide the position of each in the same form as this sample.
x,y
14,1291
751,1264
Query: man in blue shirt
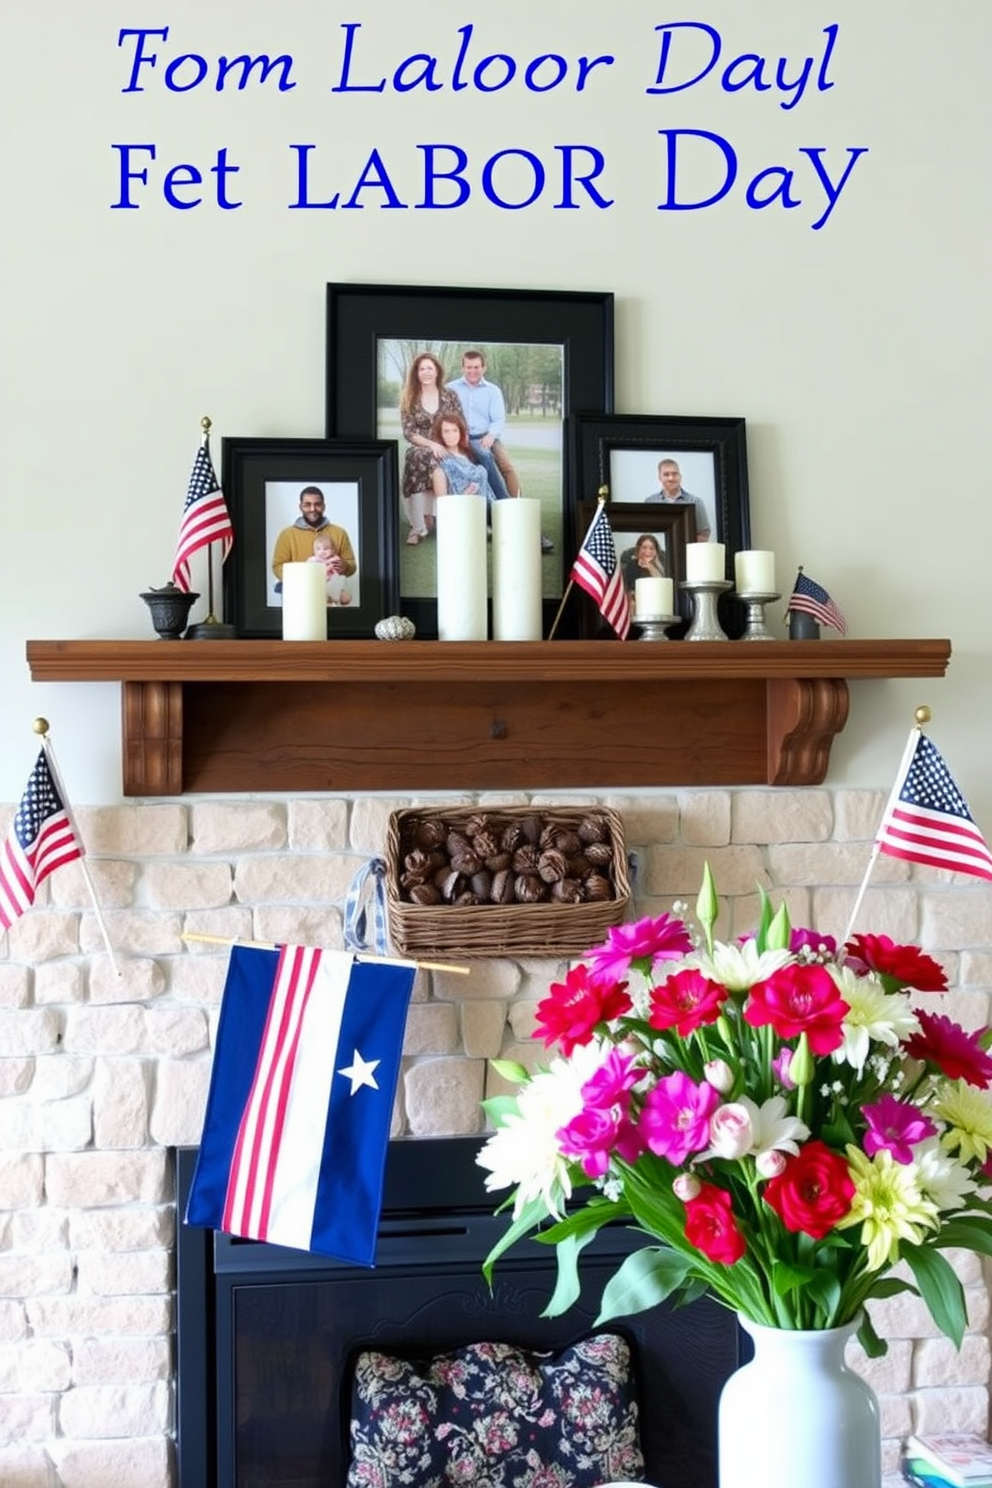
x,y
485,414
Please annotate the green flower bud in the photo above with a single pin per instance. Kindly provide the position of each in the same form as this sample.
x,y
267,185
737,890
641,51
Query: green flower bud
x,y
801,1066
779,931
707,905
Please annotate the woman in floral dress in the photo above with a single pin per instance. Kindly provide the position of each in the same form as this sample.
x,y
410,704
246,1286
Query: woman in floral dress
x,y
424,397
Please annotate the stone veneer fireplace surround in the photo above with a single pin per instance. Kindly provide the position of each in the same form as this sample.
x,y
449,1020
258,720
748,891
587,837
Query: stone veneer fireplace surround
x,y
98,1077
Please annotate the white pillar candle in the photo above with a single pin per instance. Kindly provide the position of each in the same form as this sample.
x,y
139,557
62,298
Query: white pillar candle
x,y
653,597
304,602
517,570
704,562
754,570
461,568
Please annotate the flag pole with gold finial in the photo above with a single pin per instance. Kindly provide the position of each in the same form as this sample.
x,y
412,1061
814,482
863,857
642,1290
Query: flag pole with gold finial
x,y
40,727
922,716
210,629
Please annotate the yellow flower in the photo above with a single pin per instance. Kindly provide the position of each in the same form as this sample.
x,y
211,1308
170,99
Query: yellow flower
x,y
969,1119
888,1205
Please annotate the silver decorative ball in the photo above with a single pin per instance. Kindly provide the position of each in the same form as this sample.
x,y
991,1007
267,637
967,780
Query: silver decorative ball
x,y
395,628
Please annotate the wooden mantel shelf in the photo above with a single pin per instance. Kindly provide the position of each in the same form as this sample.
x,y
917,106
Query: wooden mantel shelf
x,y
419,716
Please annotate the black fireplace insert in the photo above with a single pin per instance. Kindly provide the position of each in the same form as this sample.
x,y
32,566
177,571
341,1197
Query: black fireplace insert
x,y
266,1336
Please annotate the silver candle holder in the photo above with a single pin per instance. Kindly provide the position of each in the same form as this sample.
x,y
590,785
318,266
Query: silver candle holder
x,y
756,628
705,623
653,627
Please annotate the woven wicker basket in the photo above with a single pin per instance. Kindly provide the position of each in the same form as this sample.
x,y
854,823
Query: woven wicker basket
x,y
490,930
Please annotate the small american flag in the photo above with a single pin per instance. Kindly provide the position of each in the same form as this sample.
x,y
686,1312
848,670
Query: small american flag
x,y
927,821
814,600
205,517
597,572
40,840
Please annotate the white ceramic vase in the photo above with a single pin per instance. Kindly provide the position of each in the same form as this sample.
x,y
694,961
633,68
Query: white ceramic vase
x,y
797,1417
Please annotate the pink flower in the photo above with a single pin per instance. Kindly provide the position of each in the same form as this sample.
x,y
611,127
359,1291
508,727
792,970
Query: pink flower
x,y
895,1126
642,943
686,1186
604,1126
575,1007
769,1164
719,1074
685,1002
731,1131
800,999
957,1054
675,1120
801,939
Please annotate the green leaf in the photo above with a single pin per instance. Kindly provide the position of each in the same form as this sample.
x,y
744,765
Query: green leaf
x,y
779,931
510,1070
498,1107
646,1278
966,1232
529,1219
568,1287
869,1340
764,920
584,1221
939,1288
786,1278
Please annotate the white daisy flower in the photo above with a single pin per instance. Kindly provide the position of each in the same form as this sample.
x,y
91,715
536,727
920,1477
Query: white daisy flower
x,y
873,1014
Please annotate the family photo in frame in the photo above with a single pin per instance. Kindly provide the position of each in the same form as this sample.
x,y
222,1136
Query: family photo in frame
x,y
433,392
470,377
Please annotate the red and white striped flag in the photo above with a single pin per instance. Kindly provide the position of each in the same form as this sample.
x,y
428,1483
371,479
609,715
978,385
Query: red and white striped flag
x,y
927,820
597,571
205,517
41,839
301,1095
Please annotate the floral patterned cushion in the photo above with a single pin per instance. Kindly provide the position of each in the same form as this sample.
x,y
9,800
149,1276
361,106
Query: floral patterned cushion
x,y
493,1416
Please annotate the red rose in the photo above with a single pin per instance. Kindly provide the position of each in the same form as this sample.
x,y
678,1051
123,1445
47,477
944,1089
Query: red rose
x,y
814,1191
711,1227
896,966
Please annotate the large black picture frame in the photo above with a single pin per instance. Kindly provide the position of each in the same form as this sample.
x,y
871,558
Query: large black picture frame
x,y
252,469
360,316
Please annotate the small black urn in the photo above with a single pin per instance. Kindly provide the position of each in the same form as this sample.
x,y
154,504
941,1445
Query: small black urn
x,y
170,607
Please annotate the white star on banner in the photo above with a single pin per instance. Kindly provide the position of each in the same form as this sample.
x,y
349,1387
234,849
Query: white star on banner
x,y
361,1072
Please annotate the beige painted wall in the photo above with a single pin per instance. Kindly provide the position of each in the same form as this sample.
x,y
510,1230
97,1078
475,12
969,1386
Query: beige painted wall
x,y
857,352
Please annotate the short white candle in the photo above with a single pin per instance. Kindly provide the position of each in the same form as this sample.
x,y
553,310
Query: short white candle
x,y
653,597
461,568
304,602
704,562
754,570
517,570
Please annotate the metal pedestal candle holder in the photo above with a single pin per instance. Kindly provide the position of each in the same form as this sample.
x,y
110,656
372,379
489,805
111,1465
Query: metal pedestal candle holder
x,y
756,629
705,593
653,627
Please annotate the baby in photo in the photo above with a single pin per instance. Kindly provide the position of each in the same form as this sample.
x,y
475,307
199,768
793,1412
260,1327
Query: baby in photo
x,y
338,590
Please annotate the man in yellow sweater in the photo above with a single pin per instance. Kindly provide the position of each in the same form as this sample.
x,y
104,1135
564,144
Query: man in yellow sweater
x,y
295,544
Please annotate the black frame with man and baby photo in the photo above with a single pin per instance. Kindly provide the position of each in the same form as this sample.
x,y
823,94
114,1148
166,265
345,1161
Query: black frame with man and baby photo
x,y
263,481
550,353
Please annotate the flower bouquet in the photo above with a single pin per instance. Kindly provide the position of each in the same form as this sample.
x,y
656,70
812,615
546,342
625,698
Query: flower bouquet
x,y
773,1113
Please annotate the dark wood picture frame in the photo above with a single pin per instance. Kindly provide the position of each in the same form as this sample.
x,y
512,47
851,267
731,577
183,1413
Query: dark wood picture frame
x,y
629,521
597,442
360,316
252,469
